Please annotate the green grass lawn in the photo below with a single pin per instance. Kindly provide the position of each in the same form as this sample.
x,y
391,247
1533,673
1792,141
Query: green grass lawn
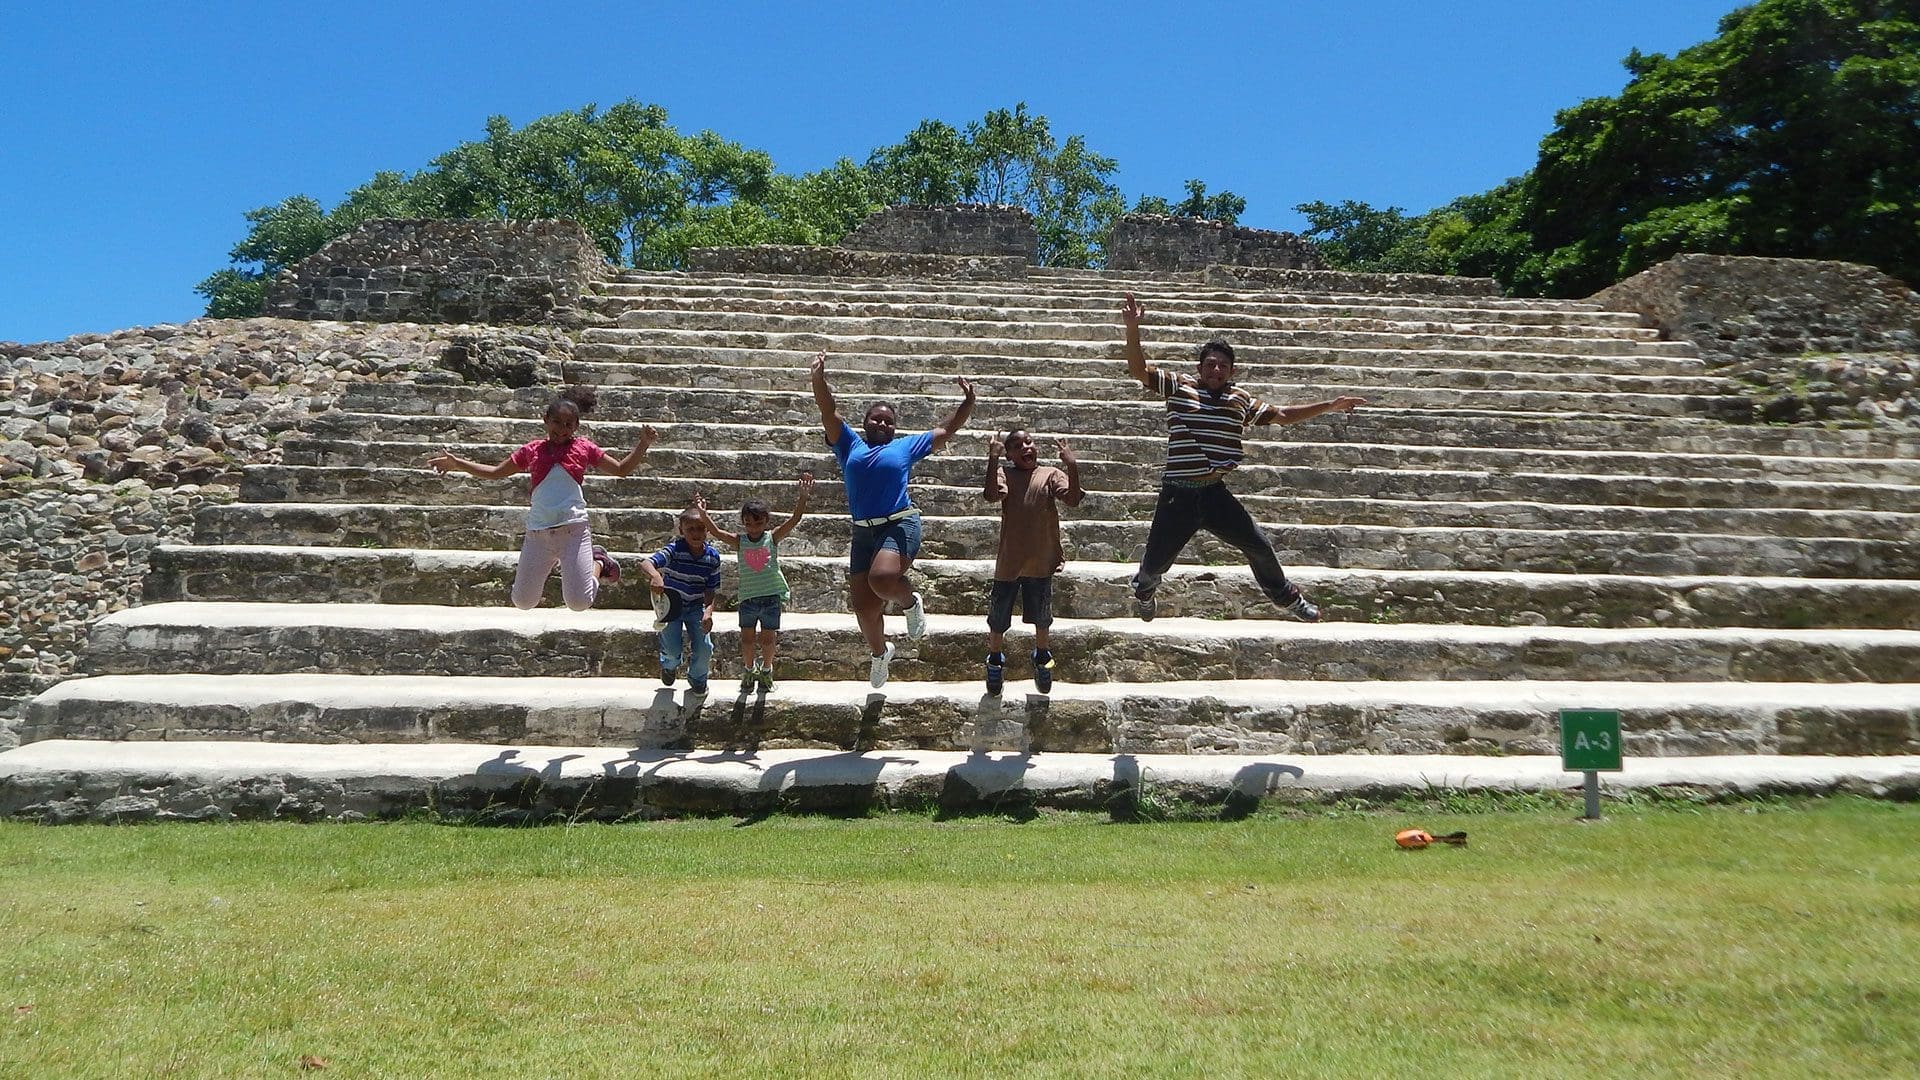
x,y
1666,940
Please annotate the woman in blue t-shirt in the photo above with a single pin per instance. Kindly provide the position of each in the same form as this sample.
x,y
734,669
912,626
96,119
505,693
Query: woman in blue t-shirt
x,y
874,467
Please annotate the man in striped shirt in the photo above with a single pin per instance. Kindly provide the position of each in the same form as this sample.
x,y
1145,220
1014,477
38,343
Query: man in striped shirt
x,y
1206,417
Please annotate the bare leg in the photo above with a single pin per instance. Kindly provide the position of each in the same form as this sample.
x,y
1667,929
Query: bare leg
x,y
749,645
1040,638
866,609
887,578
768,638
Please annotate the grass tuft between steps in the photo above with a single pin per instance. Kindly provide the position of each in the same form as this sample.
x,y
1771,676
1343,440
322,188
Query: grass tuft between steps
x,y
1675,937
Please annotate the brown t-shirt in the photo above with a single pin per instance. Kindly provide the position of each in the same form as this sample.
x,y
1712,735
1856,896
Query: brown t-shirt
x,y
1030,521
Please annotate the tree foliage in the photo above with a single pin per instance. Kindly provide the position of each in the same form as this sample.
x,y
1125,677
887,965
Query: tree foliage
x,y
647,193
1009,157
1224,206
1794,132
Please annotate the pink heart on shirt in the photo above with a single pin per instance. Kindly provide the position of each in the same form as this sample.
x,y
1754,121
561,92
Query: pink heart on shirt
x,y
757,558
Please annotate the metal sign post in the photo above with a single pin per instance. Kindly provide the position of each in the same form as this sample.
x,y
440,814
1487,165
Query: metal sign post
x,y
1590,744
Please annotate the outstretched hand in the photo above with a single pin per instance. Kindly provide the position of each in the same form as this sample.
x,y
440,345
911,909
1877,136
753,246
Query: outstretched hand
x,y
1347,403
995,448
819,365
1131,312
1061,448
443,462
805,484
647,436
966,386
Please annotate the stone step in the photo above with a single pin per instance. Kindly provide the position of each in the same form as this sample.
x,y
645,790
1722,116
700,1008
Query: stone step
x,y
949,484
643,364
921,406
493,527
1182,718
714,392
1057,339
407,639
374,439
1178,316
1083,590
1673,447
1105,292
66,781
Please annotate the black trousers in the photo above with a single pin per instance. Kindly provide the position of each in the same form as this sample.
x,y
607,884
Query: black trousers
x,y
1183,511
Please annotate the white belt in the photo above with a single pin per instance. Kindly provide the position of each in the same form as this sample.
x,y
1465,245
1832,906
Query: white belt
x,y
889,519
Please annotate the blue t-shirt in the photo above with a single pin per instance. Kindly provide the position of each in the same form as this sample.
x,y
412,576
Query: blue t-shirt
x,y
876,476
691,574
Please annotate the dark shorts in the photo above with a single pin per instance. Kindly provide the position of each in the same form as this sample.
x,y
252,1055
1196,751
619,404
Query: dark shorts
x,y
902,536
1036,603
762,611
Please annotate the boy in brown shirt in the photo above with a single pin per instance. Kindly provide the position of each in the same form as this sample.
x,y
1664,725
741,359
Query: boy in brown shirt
x,y
1030,552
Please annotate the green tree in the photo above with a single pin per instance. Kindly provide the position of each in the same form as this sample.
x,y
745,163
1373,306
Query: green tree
x,y
1224,206
1794,132
1008,157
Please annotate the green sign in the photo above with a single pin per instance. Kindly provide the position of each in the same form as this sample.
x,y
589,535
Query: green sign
x,y
1589,740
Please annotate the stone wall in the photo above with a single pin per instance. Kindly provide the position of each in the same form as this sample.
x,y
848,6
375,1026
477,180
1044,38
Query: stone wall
x,y
963,229
1738,307
1817,340
842,262
110,442
431,271
1156,242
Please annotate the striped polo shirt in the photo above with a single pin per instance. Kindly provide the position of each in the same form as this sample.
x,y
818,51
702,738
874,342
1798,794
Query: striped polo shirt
x,y
1204,429
690,574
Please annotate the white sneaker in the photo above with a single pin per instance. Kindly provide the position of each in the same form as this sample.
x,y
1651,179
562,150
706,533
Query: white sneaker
x,y
877,674
916,619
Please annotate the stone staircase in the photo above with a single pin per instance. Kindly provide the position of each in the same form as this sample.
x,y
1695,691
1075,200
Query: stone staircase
x,y
1544,506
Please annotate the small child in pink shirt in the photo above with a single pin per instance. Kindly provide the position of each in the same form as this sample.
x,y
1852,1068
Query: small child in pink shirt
x,y
557,533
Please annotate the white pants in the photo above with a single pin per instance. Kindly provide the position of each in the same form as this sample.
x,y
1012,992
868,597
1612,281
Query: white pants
x,y
568,546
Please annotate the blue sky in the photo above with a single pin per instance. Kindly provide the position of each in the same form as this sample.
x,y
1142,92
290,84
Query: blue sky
x,y
136,135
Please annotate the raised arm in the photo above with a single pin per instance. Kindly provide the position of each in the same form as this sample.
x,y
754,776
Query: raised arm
x,y
804,490
823,397
996,489
1131,312
447,461
1071,466
958,417
732,540
1293,414
626,465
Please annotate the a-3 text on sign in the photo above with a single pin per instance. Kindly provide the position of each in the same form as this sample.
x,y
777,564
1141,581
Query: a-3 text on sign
x,y
1590,740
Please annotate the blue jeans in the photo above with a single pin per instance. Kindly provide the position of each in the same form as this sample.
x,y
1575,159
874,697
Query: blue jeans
x,y
674,636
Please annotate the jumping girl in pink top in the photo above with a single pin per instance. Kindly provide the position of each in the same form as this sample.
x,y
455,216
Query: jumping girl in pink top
x,y
557,533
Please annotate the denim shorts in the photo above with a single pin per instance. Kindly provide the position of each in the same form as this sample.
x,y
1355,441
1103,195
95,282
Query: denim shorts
x,y
902,536
762,611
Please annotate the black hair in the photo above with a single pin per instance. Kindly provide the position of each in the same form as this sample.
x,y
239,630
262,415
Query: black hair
x,y
575,399
887,405
1217,346
691,513
1011,432
756,508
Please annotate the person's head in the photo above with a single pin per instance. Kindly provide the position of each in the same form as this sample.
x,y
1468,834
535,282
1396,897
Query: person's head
x,y
1021,450
880,423
753,518
1216,365
692,528
564,412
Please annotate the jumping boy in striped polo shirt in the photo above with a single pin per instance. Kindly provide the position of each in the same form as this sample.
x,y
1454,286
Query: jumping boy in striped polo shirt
x,y
1206,417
